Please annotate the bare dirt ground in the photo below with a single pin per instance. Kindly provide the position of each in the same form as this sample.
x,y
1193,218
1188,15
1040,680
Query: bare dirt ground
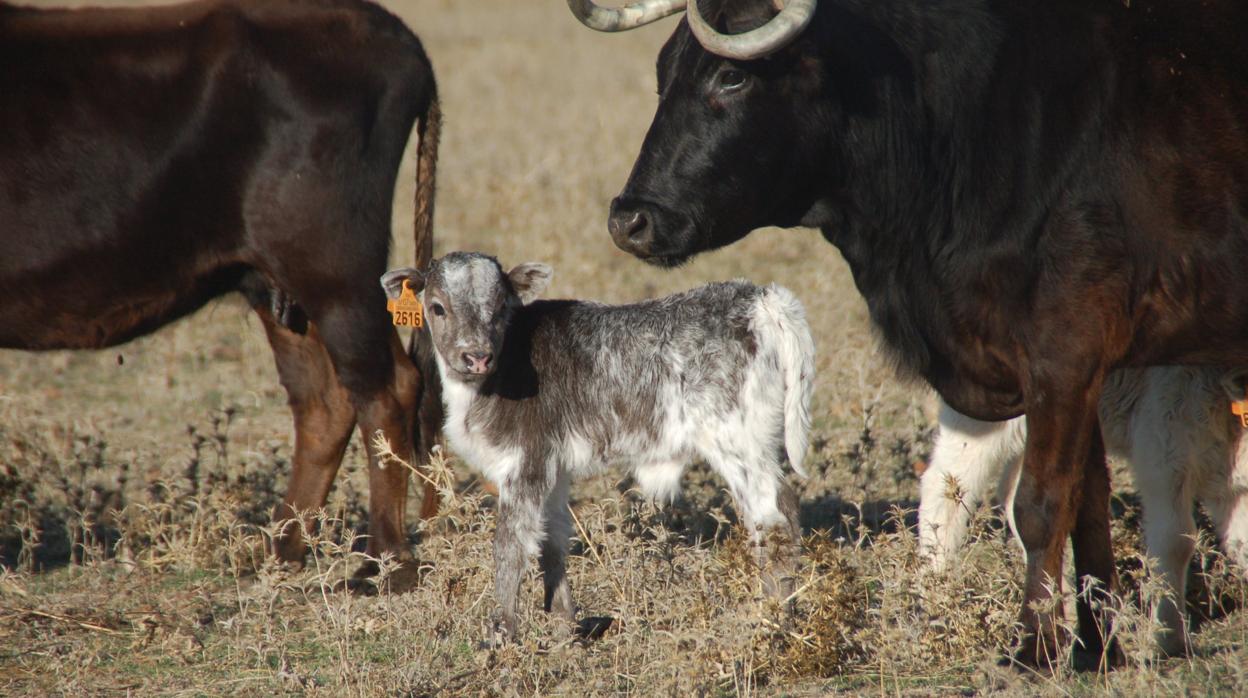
x,y
135,482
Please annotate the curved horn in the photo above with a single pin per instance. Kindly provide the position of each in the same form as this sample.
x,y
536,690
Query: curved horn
x,y
618,19
756,43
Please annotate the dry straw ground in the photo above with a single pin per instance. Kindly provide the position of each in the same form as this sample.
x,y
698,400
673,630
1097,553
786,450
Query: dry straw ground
x,y
133,493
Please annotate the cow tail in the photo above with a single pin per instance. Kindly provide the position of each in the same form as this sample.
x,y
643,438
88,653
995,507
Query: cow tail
x,y
428,131
421,348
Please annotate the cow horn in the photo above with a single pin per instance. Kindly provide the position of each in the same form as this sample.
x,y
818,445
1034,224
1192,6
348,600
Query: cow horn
x,y
756,43
618,19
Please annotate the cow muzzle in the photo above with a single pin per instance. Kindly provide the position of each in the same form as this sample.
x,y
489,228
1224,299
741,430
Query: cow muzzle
x,y
639,229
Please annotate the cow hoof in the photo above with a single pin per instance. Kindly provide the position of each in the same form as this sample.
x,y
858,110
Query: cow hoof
x,y
290,555
403,578
1083,660
1033,655
590,629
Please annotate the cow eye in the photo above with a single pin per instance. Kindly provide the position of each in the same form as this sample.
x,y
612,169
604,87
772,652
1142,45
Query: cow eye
x,y
437,309
731,80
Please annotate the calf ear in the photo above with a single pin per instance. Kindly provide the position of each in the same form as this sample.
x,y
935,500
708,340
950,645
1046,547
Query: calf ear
x,y
392,281
528,280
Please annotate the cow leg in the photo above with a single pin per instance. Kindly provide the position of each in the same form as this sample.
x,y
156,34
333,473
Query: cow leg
x,y
969,457
384,387
1060,426
516,541
430,418
1095,573
323,420
557,518
392,412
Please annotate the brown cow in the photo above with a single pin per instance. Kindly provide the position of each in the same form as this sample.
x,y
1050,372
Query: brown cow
x,y
153,159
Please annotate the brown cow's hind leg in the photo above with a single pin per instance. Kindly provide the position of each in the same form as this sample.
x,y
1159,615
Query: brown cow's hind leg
x,y
1094,559
388,410
323,420
1060,428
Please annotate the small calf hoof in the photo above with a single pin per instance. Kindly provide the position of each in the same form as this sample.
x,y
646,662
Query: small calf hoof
x,y
502,632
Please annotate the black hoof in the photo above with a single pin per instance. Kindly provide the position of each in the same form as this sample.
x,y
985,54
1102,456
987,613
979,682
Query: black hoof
x,y
590,629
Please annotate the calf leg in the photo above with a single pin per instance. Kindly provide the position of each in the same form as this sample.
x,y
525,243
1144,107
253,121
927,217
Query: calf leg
x,y
1061,426
968,458
554,553
1229,511
516,541
1095,573
769,511
1161,466
323,420
1169,536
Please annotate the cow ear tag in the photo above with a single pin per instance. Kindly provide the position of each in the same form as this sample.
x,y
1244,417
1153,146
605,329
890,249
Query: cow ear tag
x,y
1239,408
406,310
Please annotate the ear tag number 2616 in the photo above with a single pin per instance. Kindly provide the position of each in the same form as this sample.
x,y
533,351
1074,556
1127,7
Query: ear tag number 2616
x,y
406,310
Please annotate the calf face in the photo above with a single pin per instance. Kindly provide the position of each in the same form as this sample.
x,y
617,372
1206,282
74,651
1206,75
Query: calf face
x,y
469,301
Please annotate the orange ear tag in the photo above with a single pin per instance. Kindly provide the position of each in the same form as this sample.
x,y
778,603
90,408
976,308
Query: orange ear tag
x,y
1240,409
406,310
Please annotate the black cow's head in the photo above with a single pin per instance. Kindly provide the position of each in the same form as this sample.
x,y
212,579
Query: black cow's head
x,y
742,139
729,149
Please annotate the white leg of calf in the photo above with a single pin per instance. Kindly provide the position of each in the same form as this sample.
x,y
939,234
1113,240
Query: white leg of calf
x,y
1231,490
1169,537
1161,462
554,551
969,458
1007,487
1230,518
516,541
769,512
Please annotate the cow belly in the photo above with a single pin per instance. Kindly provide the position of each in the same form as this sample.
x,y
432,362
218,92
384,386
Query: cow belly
x,y
69,316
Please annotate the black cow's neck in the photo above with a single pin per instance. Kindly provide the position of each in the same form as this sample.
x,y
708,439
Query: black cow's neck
x,y
970,141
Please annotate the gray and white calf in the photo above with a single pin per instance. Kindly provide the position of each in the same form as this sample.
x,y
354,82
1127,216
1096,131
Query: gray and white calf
x,y
1174,426
540,392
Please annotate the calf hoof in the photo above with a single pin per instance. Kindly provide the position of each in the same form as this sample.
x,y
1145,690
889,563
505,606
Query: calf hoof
x,y
502,632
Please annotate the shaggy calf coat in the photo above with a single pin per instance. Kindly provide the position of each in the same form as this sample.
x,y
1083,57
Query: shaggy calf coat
x,y
1175,428
538,393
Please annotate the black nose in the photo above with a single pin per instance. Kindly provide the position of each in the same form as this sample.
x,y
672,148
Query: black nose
x,y
477,361
630,228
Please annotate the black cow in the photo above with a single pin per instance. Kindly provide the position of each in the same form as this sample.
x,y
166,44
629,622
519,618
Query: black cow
x,y
154,159
1029,193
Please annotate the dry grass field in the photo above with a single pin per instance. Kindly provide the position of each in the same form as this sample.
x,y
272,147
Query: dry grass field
x,y
135,483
